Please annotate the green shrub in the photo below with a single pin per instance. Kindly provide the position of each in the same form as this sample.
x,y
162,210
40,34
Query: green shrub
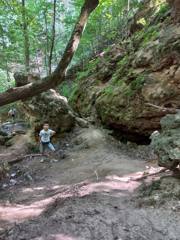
x,y
65,90
82,75
73,94
163,9
108,90
137,83
4,82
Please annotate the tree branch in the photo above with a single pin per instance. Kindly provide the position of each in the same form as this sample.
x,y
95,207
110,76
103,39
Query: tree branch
x,y
32,89
163,109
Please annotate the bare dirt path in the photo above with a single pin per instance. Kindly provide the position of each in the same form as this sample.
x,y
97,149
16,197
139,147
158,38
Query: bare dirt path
x,y
88,195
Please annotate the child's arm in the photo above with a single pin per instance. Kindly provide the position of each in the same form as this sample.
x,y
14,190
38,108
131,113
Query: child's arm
x,y
53,133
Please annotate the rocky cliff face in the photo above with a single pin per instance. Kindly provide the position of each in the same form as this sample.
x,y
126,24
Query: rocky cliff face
x,y
133,84
167,143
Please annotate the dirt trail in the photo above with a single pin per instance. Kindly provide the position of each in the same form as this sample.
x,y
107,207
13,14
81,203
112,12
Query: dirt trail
x,y
86,196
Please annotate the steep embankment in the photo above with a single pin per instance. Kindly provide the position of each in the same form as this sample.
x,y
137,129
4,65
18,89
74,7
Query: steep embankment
x,y
132,85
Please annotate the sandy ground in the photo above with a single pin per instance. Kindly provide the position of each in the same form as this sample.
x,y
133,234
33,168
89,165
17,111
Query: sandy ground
x,y
88,195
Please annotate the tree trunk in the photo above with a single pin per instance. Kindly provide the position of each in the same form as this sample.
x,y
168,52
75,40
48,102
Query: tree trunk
x,y
53,36
128,7
26,36
47,42
32,89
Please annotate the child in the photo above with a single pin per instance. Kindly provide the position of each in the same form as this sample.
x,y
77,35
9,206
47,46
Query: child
x,y
45,138
12,113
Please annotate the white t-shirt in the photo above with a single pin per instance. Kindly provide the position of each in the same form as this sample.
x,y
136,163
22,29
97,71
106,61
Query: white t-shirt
x,y
45,135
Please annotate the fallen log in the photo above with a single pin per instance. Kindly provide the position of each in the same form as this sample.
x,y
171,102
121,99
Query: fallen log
x,y
21,158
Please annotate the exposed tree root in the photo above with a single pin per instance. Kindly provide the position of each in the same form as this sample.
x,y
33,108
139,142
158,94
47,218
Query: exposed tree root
x,y
150,174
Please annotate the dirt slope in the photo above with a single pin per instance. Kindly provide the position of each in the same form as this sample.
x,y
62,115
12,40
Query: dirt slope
x,y
87,195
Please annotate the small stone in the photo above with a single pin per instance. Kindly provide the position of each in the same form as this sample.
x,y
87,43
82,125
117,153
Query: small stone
x,y
4,185
13,174
28,176
54,160
13,182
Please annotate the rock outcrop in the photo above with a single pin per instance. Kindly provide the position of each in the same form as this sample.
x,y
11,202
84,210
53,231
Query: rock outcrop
x,y
50,107
132,85
175,4
167,143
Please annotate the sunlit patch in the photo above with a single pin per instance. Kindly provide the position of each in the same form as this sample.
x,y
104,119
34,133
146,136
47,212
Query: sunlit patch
x,y
56,187
17,212
75,44
112,185
26,190
109,186
62,237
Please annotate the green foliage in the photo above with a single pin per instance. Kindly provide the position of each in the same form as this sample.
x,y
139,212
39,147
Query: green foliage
x,y
69,90
65,89
107,24
82,75
122,71
123,62
74,92
88,69
109,90
6,80
134,86
137,83
149,34
101,29
104,27
163,9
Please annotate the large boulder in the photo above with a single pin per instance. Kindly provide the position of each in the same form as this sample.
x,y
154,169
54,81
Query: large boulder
x,y
50,107
167,143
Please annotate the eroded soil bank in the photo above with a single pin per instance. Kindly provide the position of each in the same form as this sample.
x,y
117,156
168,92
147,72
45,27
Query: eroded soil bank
x,y
91,194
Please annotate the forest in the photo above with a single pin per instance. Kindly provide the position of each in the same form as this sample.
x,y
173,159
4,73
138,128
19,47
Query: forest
x,y
89,119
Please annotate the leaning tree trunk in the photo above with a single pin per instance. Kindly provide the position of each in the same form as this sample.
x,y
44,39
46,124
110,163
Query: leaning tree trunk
x,y
26,36
32,89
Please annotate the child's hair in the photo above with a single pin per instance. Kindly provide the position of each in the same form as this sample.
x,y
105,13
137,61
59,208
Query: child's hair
x,y
45,123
